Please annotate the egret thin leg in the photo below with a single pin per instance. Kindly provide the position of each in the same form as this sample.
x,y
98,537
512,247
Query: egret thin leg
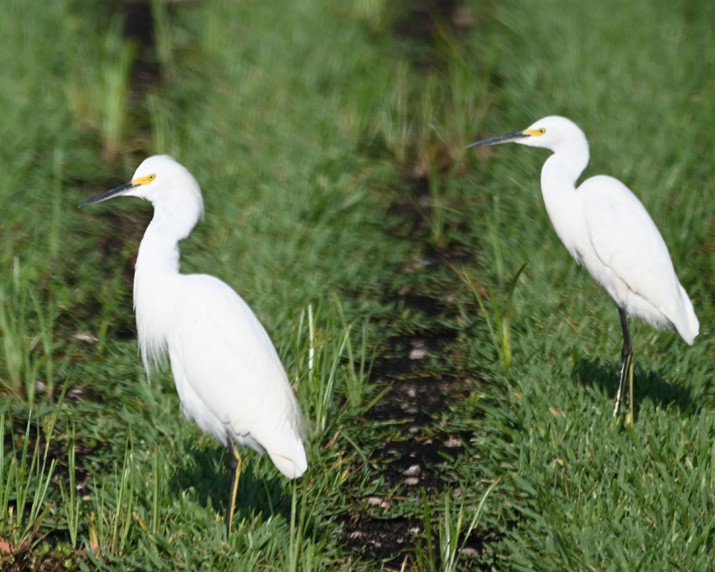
x,y
236,465
625,382
629,397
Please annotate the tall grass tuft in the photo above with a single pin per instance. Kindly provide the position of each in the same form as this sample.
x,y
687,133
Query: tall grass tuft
x,y
99,88
498,320
68,493
113,516
333,362
25,478
453,532
163,36
19,371
114,83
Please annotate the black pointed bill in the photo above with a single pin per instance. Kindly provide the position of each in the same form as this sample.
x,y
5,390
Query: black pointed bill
x,y
508,138
115,192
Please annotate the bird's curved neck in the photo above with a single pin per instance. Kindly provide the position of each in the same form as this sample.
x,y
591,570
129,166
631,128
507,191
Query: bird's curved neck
x,y
558,187
565,166
159,248
158,253
155,276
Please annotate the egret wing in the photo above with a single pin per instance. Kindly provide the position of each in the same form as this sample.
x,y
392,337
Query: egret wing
x,y
232,366
627,243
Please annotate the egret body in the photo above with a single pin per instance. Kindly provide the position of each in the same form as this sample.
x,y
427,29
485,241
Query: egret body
x,y
227,373
606,229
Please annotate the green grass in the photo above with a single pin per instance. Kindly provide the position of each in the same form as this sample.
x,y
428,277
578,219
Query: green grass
x,y
329,141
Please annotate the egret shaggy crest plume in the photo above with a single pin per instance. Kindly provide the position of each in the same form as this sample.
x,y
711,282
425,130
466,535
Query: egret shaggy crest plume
x,y
228,375
607,229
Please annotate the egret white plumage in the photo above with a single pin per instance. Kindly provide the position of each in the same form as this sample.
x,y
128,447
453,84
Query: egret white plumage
x,y
605,228
227,373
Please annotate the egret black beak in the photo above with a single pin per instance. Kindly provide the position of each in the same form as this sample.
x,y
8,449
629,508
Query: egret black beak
x,y
115,192
508,138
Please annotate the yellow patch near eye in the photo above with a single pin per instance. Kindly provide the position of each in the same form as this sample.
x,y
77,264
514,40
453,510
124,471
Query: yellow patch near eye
x,y
535,132
143,180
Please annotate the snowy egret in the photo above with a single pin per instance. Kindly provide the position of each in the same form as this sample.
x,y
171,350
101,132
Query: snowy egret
x,y
606,229
227,373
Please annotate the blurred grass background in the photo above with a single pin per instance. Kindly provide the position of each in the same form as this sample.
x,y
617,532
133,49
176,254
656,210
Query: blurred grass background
x,y
328,139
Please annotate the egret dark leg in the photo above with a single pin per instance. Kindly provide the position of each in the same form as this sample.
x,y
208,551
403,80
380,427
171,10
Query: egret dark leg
x,y
625,383
236,464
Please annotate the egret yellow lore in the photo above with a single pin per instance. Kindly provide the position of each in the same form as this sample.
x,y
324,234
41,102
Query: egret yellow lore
x,y
605,228
228,375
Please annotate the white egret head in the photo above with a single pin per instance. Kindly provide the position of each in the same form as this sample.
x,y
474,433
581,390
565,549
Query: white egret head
x,y
159,178
168,186
553,132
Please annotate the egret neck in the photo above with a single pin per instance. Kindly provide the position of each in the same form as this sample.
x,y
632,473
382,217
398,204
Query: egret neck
x,y
558,187
157,272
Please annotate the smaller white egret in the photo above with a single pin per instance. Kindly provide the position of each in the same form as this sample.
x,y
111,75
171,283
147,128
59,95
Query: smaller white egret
x,y
606,229
227,373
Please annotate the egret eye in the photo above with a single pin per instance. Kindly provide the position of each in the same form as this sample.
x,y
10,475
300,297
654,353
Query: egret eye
x,y
541,130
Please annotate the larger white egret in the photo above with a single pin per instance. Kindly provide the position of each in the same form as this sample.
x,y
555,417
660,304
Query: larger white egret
x,y
227,373
606,229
